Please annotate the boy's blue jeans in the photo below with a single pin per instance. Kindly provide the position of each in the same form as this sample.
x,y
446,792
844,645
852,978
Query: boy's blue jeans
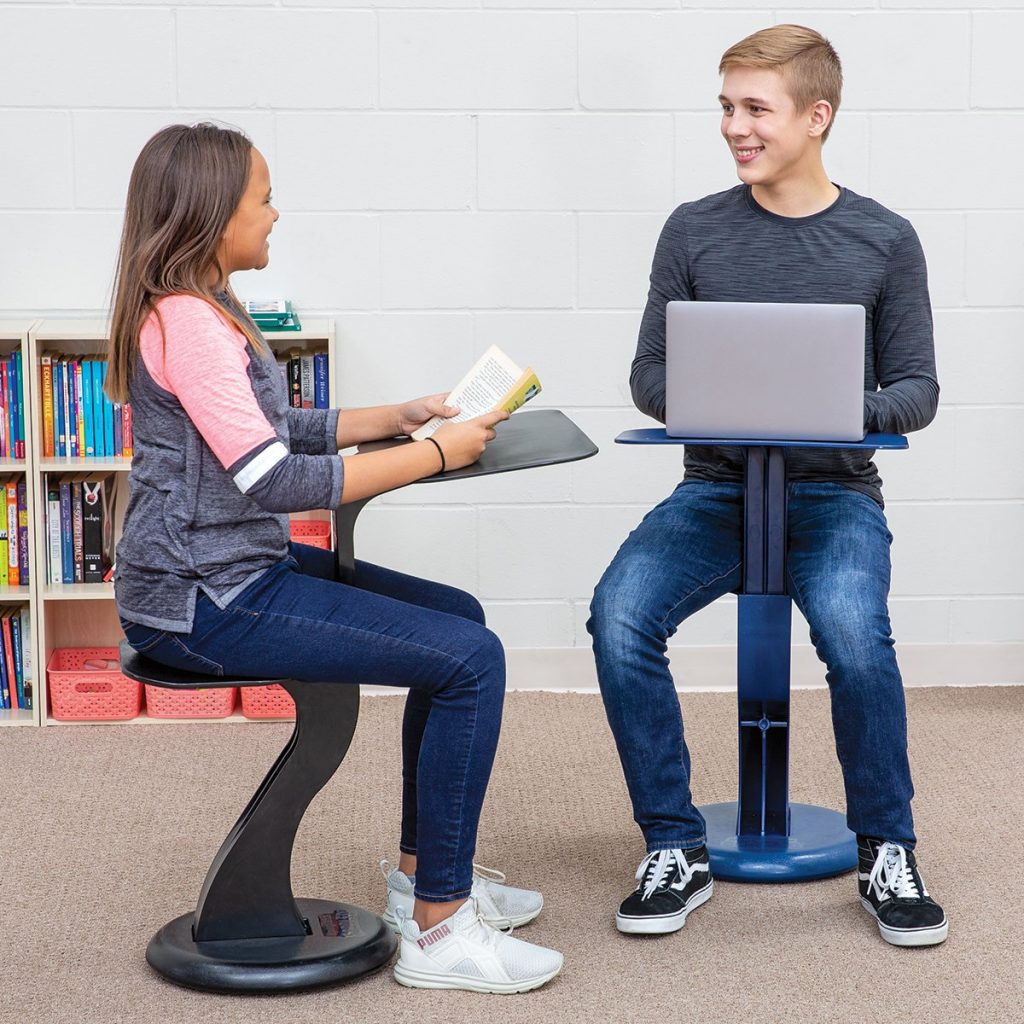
x,y
384,628
688,551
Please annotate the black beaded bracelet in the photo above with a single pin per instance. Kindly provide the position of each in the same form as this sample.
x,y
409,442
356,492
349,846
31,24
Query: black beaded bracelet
x,y
440,451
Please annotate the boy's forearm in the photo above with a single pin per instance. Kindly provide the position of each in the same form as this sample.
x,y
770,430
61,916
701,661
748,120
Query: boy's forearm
x,y
902,407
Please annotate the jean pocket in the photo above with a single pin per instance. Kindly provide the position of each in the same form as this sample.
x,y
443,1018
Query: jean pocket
x,y
176,654
142,638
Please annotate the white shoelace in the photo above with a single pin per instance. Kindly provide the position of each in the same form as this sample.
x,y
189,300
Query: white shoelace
x,y
656,864
892,873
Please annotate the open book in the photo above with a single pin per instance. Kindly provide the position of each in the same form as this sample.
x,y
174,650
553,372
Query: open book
x,y
495,382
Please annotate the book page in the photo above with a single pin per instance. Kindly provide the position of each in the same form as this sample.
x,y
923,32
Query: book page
x,y
482,389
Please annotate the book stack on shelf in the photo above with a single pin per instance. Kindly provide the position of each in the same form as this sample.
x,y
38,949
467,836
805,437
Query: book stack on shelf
x,y
16,690
12,406
307,374
14,564
79,531
78,418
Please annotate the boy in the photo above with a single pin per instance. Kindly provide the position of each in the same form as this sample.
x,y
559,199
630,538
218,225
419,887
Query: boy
x,y
786,234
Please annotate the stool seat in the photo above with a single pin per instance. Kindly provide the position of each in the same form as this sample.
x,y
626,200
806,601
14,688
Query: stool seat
x,y
249,933
144,670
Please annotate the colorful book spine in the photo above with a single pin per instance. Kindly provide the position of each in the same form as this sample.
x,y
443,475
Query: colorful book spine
x,y
5,404
88,424
108,414
19,396
79,407
67,547
13,575
11,410
16,647
99,438
26,655
53,538
5,688
321,390
47,396
118,423
126,416
60,430
4,569
67,382
76,530
22,504
12,675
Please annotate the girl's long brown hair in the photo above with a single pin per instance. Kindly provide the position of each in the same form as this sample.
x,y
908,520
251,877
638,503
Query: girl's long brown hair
x,y
184,188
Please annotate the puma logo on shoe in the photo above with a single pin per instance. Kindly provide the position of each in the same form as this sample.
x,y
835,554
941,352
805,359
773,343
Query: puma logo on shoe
x,y
434,935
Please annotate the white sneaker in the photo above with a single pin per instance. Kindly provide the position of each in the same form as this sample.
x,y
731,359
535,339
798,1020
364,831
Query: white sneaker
x,y
501,906
467,953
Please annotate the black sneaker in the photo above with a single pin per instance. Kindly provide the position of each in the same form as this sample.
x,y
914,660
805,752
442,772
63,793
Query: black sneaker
x,y
672,883
893,892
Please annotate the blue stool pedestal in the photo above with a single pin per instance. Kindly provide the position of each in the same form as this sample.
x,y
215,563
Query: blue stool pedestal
x,y
819,845
762,837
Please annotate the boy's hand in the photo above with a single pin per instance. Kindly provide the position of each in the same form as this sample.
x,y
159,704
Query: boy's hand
x,y
412,415
464,443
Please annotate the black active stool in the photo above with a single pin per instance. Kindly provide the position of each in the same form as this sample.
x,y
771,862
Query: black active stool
x,y
249,933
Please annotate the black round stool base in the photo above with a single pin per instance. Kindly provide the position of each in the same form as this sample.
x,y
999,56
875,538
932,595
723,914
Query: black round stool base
x,y
345,943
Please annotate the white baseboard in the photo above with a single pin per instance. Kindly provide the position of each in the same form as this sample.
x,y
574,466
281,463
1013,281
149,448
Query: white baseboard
x,y
714,668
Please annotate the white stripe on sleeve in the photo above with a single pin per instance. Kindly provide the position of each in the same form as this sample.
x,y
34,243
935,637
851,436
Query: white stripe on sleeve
x,y
252,472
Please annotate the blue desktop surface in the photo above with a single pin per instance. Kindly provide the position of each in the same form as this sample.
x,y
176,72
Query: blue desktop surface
x,y
657,435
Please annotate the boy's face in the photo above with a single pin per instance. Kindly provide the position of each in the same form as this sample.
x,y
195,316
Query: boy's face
x,y
769,139
244,245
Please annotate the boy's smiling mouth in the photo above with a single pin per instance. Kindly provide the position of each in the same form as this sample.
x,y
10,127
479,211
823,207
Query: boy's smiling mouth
x,y
746,153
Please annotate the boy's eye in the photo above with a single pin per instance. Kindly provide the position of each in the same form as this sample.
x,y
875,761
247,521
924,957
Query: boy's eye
x,y
726,108
757,110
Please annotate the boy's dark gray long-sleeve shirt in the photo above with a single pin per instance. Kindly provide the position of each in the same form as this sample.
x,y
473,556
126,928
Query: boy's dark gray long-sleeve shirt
x,y
727,248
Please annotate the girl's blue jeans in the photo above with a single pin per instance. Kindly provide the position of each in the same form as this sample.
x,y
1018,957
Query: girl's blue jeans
x,y
688,551
384,628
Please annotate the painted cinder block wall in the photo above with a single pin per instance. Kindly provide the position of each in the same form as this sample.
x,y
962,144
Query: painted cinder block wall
x,y
452,174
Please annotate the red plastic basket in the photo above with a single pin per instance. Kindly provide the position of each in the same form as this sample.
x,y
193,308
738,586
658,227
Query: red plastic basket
x,y
271,701
217,702
83,685
316,532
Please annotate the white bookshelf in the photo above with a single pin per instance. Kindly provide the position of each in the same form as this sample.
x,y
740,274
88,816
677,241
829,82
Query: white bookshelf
x,y
14,334
83,614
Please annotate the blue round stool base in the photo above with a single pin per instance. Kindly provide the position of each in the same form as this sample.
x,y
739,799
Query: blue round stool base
x,y
819,846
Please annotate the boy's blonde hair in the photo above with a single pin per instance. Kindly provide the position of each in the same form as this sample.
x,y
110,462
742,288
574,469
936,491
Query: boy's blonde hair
x,y
805,59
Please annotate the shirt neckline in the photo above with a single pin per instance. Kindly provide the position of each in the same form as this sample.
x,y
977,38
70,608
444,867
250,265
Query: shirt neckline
x,y
837,204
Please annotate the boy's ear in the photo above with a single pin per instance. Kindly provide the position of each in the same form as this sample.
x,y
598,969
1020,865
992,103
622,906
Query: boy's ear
x,y
820,118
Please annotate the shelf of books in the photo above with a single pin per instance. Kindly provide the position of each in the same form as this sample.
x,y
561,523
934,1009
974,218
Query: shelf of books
x,y
18,693
79,448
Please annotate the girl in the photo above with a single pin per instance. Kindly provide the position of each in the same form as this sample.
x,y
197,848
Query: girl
x,y
207,580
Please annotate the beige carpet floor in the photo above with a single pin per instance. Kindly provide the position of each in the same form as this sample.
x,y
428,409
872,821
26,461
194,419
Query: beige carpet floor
x,y
108,832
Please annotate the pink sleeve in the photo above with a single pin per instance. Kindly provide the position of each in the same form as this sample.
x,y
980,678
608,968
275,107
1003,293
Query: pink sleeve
x,y
203,362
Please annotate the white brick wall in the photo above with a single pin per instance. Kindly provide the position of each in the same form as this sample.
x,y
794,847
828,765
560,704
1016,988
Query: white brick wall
x,y
453,173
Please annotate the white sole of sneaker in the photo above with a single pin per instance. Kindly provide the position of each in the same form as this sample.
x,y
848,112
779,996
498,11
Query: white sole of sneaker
x,y
905,936
666,923
501,923
420,979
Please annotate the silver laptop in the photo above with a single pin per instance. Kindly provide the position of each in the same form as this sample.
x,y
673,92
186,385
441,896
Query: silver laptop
x,y
765,370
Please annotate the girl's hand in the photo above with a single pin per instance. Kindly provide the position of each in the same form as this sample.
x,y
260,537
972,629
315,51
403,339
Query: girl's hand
x,y
412,415
464,443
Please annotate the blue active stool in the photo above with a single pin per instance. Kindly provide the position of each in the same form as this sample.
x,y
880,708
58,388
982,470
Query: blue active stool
x,y
762,837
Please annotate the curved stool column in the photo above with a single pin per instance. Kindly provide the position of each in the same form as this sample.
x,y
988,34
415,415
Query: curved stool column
x,y
248,932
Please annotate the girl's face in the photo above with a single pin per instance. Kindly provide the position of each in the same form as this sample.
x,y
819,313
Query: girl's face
x,y
244,244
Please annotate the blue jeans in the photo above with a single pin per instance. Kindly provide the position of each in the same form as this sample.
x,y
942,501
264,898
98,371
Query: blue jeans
x,y
688,551
296,621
